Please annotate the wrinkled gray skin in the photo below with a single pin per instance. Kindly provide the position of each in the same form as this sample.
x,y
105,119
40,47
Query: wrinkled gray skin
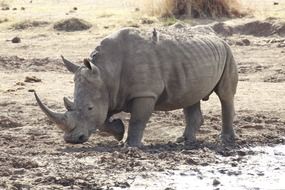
x,y
132,73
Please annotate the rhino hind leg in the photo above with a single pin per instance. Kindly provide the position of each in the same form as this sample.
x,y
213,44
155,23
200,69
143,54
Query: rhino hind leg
x,y
141,110
226,90
194,119
227,135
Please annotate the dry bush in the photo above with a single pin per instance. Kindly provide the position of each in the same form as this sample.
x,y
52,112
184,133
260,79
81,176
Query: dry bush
x,y
157,7
195,8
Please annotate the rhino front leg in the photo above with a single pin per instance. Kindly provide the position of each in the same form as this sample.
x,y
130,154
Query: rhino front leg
x,y
194,120
141,110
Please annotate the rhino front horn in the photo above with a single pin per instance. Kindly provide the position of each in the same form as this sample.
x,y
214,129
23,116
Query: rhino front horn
x,y
70,66
58,118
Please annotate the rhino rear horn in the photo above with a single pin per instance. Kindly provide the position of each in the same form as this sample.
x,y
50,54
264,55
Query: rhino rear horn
x,y
58,118
69,105
70,66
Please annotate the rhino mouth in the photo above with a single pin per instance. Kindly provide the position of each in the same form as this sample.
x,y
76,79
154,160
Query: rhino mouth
x,y
78,139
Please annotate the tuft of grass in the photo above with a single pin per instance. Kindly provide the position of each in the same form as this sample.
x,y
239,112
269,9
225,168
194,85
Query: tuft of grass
x,y
131,23
105,15
28,24
148,20
3,20
167,21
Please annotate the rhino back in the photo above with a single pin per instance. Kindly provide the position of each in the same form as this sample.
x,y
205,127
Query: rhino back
x,y
177,72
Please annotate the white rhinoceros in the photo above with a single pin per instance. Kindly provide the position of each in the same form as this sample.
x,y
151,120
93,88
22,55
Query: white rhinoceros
x,y
135,72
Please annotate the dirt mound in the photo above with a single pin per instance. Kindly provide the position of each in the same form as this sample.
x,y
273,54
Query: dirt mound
x,y
256,28
72,24
261,28
18,64
28,24
222,28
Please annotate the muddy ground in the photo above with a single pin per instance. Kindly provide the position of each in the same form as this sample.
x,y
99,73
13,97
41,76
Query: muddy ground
x,y
33,154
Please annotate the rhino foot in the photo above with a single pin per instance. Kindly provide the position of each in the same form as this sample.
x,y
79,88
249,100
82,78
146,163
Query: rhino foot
x,y
133,145
186,140
180,139
228,138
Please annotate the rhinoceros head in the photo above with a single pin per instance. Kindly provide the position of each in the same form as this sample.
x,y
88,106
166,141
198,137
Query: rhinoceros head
x,y
89,110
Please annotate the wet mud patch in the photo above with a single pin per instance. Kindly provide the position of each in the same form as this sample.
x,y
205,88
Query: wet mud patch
x,y
37,156
17,64
259,128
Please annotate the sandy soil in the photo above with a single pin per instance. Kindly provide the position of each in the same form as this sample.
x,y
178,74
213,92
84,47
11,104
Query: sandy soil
x,y
33,154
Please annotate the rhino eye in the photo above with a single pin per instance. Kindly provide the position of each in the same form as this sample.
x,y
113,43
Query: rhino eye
x,y
90,108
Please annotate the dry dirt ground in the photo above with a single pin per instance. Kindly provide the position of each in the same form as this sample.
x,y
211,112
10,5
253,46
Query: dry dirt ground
x,y
33,154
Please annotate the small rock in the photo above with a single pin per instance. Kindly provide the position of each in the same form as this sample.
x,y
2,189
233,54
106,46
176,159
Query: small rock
x,y
239,43
5,8
16,40
216,182
241,153
19,171
75,8
281,45
32,79
122,184
14,9
260,173
275,3
137,9
246,42
23,8
31,90
20,84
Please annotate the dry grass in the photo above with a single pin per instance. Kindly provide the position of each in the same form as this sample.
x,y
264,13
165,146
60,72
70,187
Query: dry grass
x,y
195,8
28,24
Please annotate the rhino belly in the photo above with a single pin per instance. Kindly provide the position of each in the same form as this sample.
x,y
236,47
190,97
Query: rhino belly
x,y
176,96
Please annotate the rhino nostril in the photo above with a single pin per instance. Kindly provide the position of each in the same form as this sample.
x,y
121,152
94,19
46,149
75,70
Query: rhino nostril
x,y
81,138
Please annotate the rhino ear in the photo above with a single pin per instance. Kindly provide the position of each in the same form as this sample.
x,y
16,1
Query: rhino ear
x,y
91,66
87,63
